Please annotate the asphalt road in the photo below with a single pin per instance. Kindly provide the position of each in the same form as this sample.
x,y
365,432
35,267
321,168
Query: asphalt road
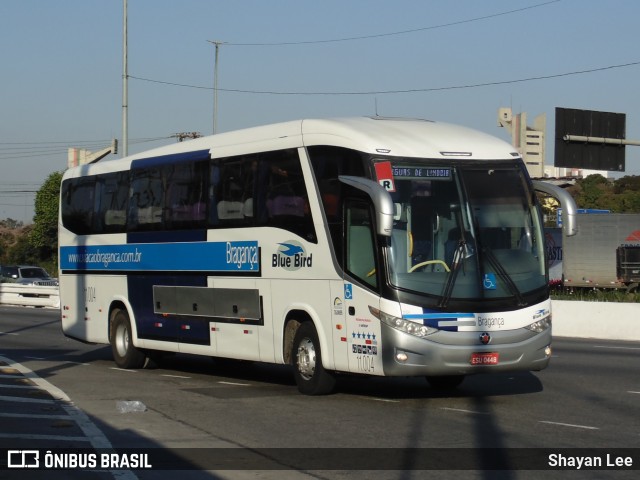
x,y
56,393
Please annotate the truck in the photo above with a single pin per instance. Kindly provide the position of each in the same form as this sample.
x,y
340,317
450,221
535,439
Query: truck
x,y
605,252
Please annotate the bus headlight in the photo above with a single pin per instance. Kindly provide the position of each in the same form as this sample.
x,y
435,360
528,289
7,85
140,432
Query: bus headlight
x,y
403,325
541,325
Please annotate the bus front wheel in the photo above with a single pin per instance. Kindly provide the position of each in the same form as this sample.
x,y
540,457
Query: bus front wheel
x,y
310,375
125,354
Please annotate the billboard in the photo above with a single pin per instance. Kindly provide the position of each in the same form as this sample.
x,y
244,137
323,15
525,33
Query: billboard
x,y
591,155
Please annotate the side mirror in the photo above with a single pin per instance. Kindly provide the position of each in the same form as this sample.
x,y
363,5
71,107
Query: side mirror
x,y
569,207
381,201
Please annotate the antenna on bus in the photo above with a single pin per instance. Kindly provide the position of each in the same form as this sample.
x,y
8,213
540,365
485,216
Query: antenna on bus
x,y
186,135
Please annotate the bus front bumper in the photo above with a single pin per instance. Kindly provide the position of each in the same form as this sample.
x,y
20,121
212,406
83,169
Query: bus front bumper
x,y
463,353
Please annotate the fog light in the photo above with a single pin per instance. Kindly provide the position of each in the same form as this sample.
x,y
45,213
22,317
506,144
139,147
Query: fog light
x,y
401,357
547,350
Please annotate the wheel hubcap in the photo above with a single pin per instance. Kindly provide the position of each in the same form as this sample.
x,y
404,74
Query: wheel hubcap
x,y
306,358
122,340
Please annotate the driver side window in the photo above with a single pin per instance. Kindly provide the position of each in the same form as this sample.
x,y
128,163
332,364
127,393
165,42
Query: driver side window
x,y
360,244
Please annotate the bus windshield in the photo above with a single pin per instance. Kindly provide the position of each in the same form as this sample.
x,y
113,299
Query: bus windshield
x,y
465,231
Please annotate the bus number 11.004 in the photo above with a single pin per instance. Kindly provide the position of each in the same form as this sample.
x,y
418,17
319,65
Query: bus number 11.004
x,y
365,363
89,294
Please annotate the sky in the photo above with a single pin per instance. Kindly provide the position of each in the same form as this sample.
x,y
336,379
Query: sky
x,y
457,61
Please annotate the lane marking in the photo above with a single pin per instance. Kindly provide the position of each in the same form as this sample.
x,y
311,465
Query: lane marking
x,y
585,427
388,400
237,384
173,376
462,410
96,437
616,348
123,370
633,392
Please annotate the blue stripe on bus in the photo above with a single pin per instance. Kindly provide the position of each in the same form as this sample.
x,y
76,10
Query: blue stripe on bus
x,y
441,320
167,257
168,159
440,315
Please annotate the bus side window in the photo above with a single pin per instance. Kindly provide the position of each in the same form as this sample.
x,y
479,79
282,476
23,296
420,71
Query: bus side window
x,y
147,197
185,202
112,203
328,163
229,200
78,202
361,257
232,191
286,199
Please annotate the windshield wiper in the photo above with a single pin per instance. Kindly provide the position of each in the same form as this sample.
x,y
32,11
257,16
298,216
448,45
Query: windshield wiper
x,y
458,257
511,285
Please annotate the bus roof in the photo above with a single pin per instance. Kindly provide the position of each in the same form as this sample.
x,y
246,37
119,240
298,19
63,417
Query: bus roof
x,y
376,135
406,138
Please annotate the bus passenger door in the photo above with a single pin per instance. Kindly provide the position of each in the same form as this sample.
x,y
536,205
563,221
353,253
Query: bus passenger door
x,y
361,293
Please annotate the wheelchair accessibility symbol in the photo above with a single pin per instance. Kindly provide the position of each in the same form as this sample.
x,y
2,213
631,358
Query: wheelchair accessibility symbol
x,y
489,281
348,291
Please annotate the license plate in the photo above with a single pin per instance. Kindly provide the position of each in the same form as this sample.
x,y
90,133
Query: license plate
x,y
489,358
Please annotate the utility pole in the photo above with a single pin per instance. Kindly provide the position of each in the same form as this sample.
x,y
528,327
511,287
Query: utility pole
x,y
125,81
215,85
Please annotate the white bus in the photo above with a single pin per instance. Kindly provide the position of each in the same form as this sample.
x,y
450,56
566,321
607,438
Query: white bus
x,y
372,246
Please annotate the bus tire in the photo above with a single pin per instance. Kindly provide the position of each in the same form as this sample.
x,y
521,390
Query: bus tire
x,y
125,354
445,382
311,377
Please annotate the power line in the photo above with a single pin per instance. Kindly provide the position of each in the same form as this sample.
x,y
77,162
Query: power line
x,y
409,90
389,34
74,142
26,150
16,184
36,149
105,142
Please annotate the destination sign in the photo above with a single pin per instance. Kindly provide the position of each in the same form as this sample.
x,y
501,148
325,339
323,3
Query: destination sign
x,y
428,173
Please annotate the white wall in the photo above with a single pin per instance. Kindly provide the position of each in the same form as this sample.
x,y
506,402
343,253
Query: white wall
x,y
601,320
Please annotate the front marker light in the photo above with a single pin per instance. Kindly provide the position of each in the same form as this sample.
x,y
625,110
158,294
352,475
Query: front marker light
x,y
403,325
540,325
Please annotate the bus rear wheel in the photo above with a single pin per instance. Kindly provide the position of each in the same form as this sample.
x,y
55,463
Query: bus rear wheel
x,y
125,354
310,375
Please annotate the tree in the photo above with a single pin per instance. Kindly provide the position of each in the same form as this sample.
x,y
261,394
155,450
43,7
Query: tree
x,y
44,235
11,223
619,196
591,190
22,250
628,183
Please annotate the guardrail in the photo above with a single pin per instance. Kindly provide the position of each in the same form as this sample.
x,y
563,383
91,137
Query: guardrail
x,y
29,295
